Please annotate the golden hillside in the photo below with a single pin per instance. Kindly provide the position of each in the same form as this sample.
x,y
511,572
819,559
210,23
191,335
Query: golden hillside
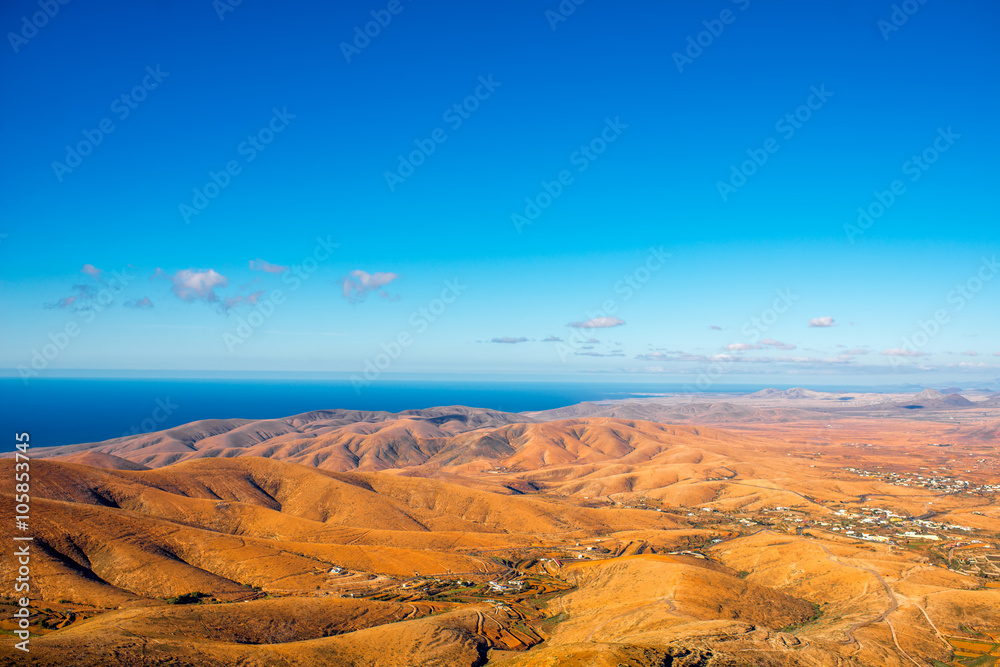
x,y
436,539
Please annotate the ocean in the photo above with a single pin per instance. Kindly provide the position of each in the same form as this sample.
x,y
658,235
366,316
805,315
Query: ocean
x,y
62,411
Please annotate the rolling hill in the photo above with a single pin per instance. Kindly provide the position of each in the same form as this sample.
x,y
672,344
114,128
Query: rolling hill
x,y
328,439
456,536
403,443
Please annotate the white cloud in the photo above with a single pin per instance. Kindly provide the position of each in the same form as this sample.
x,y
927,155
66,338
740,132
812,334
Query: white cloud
x,y
841,359
92,271
770,342
671,356
899,352
359,284
239,300
509,339
599,323
194,285
65,302
266,266
85,294
821,322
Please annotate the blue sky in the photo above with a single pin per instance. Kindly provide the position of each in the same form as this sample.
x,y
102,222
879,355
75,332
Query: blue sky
x,y
610,108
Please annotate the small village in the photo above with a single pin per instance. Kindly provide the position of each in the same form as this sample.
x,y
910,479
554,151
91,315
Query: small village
x,y
978,551
932,480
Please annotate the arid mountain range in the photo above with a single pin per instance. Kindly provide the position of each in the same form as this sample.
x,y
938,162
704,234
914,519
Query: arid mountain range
x,y
598,534
345,440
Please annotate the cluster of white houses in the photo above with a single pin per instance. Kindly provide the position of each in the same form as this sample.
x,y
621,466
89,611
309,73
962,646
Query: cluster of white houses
x,y
934,481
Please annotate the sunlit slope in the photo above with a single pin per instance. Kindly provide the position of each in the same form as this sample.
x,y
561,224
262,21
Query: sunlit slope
x,y
105,537
330,439
348,635
409,441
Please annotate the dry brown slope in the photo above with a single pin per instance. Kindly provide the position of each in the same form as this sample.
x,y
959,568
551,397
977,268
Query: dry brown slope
x,y
276,499
293,490
410,442
350,439
650,611
81,550
445,640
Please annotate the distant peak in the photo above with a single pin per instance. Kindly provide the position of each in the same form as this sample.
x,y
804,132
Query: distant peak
x,y
929,394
